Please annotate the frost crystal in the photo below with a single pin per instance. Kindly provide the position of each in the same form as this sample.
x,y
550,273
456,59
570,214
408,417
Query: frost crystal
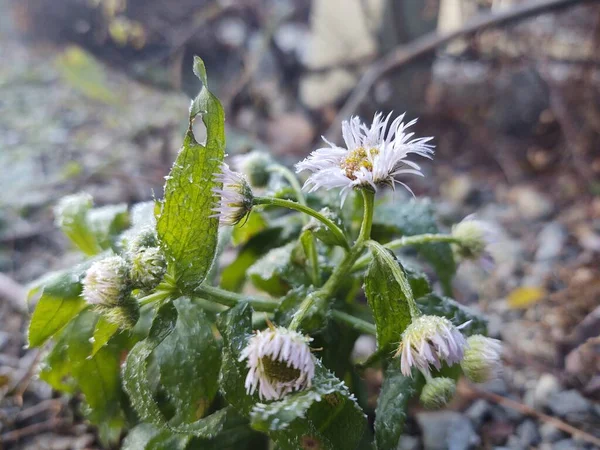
x,y
279,362
372,156
428,341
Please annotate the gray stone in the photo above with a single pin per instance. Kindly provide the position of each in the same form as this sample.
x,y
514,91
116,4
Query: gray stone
x,y
447,430
550,241
569,404
496,386
566,444
528,433
407,442
514,443
531,203
547,386
478,412
550,433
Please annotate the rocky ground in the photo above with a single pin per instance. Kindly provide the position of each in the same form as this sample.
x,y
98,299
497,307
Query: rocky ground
x,y
67,123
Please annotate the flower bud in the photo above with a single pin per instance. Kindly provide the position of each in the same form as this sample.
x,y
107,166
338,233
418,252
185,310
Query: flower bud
x,y
107,288
255,165
235,197
106,282
437,392
481,362
146,237
429,341
148,266
476,238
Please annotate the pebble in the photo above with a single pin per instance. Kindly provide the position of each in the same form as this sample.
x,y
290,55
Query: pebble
x,y
531,203
407,442
478,412
550,433
447,430
528,433
547,385
570,404
550,241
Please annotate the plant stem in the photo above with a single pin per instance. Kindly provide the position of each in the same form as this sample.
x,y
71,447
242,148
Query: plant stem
x,y
231,299
154,297
406,241
339,274
358,324
338,233
367,223
398,274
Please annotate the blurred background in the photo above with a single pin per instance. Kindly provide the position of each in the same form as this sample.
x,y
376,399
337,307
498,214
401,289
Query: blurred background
x,y
94,96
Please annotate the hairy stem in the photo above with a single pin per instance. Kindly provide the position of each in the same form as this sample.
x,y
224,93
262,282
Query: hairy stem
x,y
406,241
338,233
231,299
358,324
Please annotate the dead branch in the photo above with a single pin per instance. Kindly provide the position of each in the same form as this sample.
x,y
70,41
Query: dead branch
x,y
429,43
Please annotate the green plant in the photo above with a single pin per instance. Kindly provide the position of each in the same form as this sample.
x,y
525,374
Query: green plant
x,y
160,350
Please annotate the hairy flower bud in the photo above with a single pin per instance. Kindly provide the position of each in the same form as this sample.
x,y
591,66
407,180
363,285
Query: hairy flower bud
x,y
255,165
72,209
279,362
107,288
235,197
146,237
476,238
429,341
148,266
437,392
481,362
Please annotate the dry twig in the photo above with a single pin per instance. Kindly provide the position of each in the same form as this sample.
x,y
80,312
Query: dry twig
x,y
526,410
429,43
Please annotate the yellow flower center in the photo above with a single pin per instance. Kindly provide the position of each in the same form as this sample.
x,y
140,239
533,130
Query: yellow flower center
x,y
279,370
356,159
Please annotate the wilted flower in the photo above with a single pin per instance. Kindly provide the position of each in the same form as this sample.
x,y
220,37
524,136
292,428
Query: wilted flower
x,y
428,341
437,392
255,165
106,282
476,239
481,362
372,156
148,266
235,197
279,361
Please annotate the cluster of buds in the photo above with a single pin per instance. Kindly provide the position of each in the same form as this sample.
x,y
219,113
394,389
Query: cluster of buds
x,y
148,264
432,341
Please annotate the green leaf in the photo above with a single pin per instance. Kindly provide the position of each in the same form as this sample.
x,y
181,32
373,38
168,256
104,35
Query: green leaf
x,y
387,300
107,222
167,440
102,334
69,367
139,437
191,345
419,283
459,314
137,385
60,302
235,326
315,318
411,218
392,406
186,226
277,271
255,224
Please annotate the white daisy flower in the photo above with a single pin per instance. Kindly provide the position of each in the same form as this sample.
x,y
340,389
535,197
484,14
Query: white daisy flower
x,y
235,197
482,362
372,156
428,341
477,239
279,362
